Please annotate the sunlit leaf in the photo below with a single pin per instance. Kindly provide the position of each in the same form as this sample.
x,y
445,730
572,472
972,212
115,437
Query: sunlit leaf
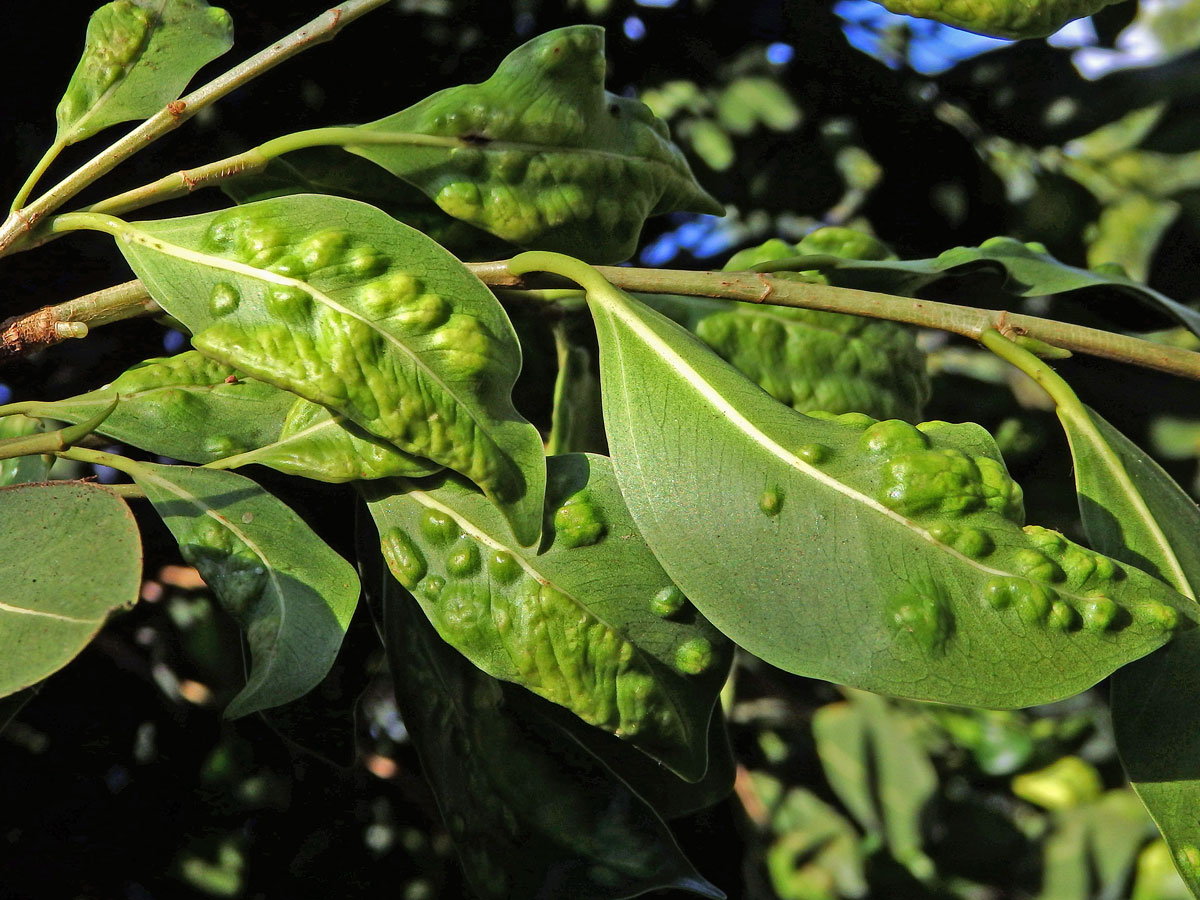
x,y
336,301
590,622
139,55
1014,19
792,533
541,155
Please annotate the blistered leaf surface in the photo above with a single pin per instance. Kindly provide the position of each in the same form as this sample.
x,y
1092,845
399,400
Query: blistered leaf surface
x,y
531,812
336,301
292,595
138,56
874,554
1014,19
541,155
590,622
55,597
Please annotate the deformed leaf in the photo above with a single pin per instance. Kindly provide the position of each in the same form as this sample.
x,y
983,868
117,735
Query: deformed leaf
x,y
1015,19
1029,272
138,56
532,813
54,600
185,407
590,622
332,170
540,154
806,358
874,554
316,443
336,301
289,591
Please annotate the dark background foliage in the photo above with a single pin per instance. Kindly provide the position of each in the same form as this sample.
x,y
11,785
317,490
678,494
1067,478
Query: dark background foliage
x,y
120,779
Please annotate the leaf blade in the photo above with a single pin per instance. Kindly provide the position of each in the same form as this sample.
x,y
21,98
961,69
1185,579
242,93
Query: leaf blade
x,y
367,317
138,56
925,612
533,153
51,609
573,622
289,591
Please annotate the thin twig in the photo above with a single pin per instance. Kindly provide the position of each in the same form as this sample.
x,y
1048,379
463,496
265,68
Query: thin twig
x,y
128,301
968,321
323,28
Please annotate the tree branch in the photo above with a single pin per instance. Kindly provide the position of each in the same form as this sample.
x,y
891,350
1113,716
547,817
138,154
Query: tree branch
x,y
51,325
323,28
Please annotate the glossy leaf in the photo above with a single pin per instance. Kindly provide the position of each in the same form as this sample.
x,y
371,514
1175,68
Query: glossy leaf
x,y
541,155
336,301
877,555
590,622
1015,19
1134,511
183,406
138,56
1029,272
289,591
332,170
811,359
23,469
531,812
55,597
316,443
876,765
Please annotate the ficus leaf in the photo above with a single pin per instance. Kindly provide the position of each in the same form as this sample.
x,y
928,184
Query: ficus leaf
x,y
590,621
1134,511
333,170
289,591
532,813
334,300
138,56
54,600
1015,19
874,554
541,155
811,359
196,409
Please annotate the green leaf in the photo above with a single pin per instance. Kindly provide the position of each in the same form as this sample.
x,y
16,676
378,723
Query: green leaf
x,y
877,766
181,406
196,409
332,170
336,301
316,443
55,595
23,469
591,622
289,591
1134,511
811,359
576,421
138,56
1029,272
532,813
1014,19
541,155
879,555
